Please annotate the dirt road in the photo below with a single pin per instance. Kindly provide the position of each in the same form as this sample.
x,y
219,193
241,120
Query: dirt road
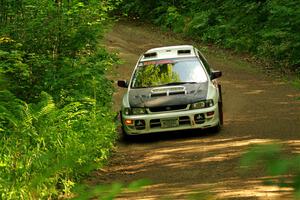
x,y
257,109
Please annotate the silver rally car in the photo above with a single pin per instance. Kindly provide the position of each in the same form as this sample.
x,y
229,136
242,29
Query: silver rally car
x,y
171,88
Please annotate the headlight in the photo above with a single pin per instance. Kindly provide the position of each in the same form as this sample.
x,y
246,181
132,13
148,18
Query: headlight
x,y
134,111
127,111
138,111
202,104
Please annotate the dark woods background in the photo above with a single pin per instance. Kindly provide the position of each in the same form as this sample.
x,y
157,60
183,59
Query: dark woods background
x,y
268,29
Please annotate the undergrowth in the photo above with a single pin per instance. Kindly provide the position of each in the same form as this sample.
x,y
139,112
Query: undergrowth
x,y
56,123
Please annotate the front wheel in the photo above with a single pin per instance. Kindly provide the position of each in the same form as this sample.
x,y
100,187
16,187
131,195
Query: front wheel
x,y
218,127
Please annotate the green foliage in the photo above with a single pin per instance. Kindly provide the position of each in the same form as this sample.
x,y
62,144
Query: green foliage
x,y
56,122
268,29
108,192
283,170
171,20
45,148
22,72
154,75
78,78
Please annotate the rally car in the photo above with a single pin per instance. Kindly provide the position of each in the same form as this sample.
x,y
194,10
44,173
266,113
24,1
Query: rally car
x,y
171,88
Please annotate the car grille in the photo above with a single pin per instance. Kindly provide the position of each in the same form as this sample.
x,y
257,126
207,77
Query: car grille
x,y
168,108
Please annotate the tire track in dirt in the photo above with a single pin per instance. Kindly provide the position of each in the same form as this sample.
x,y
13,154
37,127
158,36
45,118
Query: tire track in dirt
x,y
257,109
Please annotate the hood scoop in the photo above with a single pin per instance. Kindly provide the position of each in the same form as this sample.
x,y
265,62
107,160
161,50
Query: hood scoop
x,y
177,92
170,95
167,91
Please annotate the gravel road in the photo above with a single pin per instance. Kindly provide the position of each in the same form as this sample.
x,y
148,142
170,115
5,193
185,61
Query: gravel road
x,y
258,108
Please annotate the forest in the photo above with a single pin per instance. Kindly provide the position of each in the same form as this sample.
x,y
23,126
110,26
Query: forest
x,y
267,29
56,123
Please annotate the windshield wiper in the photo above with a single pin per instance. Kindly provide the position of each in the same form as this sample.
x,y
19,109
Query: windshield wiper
x,y
173,83
178,83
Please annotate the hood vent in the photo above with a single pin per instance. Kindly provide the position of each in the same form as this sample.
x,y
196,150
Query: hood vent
x,y
150,55
184,52
176,93
159,92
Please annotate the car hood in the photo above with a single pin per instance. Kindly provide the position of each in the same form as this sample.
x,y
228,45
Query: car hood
x,y
167,96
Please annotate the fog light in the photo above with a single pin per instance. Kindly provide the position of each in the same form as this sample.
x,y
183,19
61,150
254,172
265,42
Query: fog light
x,y
128,122
127,111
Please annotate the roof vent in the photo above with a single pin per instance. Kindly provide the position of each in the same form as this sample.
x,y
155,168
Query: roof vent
x,y
150,55
188,51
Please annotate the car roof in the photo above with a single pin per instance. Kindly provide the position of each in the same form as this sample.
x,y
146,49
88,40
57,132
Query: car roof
x,y
169,52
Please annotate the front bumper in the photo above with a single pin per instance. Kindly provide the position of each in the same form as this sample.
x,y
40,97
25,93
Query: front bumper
x,y
181,120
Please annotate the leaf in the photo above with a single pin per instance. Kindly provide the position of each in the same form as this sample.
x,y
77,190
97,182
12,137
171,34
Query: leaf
x,y
279,167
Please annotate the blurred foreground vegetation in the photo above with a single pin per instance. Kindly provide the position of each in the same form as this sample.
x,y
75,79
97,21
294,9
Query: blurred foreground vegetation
x,y
56,124
268,29
281,169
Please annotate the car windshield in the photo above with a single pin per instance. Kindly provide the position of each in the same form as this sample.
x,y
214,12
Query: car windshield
x,y
168,72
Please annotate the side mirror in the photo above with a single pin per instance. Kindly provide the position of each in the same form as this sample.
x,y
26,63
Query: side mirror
x,y
123,84
215,74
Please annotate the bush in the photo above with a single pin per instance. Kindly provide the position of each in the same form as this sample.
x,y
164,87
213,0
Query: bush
x,y
56,122
45,148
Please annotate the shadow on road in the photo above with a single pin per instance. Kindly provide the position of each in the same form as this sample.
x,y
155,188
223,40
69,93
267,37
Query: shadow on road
x,y
167,136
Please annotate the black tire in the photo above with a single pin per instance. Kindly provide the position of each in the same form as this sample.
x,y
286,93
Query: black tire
x,y
124,135
220,108
220,92
218,127
220,105
215,129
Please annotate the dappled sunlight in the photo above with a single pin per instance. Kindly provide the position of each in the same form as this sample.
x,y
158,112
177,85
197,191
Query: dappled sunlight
x,y
195,152
188,158
166,191
294,96
212,147
281,103
251,188
221,157
255,92
226,189
240,86
157,157
245,119
295,145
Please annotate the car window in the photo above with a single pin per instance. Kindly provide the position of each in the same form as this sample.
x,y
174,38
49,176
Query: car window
x,y
204,61
167,72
